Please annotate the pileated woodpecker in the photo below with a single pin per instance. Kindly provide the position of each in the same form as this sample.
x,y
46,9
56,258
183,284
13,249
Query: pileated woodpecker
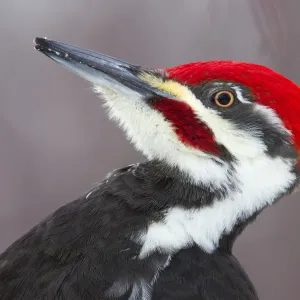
x,y
222,140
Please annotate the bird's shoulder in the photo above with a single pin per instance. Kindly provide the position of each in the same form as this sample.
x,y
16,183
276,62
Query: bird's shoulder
x,y
82,218
81,244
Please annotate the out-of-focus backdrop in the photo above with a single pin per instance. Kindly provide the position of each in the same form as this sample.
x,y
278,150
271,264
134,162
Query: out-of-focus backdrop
x,y
56,141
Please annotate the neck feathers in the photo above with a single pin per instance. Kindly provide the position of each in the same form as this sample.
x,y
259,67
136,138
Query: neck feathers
x,y
213,209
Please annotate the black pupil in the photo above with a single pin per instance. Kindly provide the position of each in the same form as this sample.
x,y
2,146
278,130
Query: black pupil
x,y
223,98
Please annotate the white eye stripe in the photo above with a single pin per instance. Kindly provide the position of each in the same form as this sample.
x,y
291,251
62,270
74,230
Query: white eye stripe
x,y
270,115
239,94
268,112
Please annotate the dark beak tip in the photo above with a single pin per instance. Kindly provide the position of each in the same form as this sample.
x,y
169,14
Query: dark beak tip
x,y
37,47
40,43
39,40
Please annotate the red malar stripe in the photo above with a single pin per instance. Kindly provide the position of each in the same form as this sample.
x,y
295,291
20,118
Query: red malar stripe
x,y
190,130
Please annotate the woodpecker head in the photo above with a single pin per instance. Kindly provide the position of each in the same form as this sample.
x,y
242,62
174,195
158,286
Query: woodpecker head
x,y
194,114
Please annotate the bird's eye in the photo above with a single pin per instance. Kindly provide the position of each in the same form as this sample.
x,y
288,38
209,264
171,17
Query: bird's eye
x,y
223,98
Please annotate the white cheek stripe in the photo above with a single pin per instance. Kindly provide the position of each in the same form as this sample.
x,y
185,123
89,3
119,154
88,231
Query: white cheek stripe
x,y
182,227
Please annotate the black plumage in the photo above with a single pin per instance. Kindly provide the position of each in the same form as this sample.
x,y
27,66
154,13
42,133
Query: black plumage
x,y
196,275
85,250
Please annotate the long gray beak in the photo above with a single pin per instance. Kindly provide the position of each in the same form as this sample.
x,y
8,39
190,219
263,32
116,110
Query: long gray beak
x,y
94,67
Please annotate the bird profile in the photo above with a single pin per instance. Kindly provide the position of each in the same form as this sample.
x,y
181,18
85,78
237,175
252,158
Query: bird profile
x,y
221,141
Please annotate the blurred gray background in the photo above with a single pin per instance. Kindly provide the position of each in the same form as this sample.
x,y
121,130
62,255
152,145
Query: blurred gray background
x,y
56,140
